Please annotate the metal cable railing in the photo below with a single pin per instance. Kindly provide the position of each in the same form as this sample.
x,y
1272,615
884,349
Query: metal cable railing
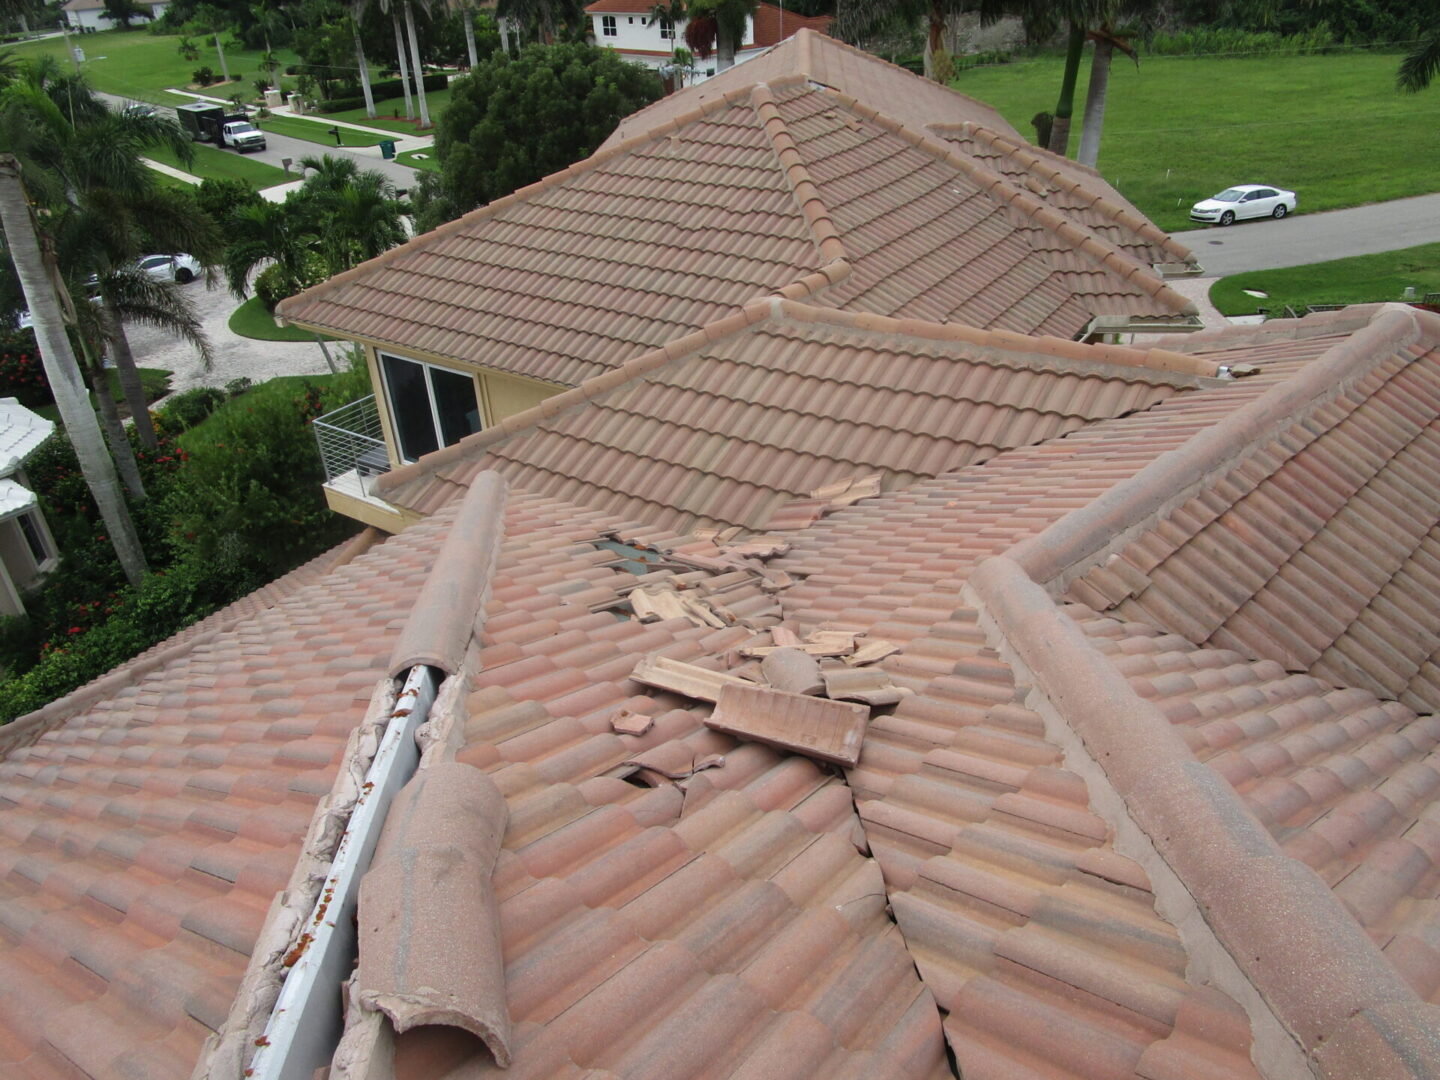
x,y
351,440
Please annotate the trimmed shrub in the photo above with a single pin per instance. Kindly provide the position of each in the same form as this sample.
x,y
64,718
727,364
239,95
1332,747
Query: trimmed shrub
x,y
203,76
22,372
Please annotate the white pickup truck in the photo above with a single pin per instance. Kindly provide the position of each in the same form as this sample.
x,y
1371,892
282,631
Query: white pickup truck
x,y
242,135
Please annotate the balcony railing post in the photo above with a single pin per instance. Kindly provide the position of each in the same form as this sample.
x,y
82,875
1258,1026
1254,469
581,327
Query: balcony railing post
x,y
351,438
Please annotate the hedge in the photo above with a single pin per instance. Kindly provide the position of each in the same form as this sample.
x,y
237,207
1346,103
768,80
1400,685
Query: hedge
x,y
381,90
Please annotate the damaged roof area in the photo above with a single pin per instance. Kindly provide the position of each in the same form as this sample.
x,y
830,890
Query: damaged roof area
x,y
784,185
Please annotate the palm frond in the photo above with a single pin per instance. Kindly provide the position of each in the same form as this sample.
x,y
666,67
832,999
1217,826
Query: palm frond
x,y
1421,66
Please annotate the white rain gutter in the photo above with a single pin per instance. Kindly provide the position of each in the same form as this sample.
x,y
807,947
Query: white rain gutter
x,y
306,1022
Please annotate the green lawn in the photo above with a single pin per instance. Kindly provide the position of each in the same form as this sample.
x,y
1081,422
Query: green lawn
x,y
1177,130
251,320
223,164
156,382
430,163
1358,280
140,65
316,131
392,113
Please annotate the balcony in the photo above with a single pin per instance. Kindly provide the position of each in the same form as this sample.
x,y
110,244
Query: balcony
x,y
353,453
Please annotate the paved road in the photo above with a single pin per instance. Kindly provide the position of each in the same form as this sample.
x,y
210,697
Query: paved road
x,y
1311,238
279,147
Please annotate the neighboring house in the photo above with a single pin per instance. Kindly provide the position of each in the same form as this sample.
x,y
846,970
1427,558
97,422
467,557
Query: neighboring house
x,y
90,14
632,29
27,551
816,180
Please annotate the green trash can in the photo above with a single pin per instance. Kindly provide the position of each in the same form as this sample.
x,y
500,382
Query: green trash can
x,y
387,148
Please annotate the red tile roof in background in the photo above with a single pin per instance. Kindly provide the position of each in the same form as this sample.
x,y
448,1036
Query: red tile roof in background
x,y
660,235
773,24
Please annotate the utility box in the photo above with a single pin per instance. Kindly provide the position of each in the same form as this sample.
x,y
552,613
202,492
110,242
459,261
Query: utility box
x,y
274,99
297,104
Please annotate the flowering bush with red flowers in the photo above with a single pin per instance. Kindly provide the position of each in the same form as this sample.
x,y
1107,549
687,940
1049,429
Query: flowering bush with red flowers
x,y
22,372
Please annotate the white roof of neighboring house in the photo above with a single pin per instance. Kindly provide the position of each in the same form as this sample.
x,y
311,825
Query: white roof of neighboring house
x,y
14,498
21,433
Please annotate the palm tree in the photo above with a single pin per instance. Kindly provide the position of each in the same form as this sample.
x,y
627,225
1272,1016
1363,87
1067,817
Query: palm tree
x,y
86,159
729,18
418,68
400,54
1107,39
38,282
281,233
355,214
467,16
1421,64
357,12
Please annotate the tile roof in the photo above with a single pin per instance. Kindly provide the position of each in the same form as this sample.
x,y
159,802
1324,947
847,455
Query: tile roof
x,y
21,433
577,274
154,815
750,193
1339,592
14,497
729,425
823,61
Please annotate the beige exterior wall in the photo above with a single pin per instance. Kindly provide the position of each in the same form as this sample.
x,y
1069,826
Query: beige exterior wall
x,y
506,396
499,395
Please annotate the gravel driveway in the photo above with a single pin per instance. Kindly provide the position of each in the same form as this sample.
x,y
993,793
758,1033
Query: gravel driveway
x,y
234,355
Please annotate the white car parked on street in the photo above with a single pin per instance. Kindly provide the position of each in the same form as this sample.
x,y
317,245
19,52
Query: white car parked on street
x,y
1244,201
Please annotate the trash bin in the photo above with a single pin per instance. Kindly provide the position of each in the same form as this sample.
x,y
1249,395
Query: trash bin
x,y
387,148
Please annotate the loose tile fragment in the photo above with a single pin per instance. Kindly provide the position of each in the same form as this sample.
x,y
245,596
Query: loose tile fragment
x,y
688,679
794,671
828,730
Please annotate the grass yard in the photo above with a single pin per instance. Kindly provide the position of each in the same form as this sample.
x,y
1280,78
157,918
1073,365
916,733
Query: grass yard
x,y
429,162
140,65
1332,128
392,113
316,131
251,320
210,162
1357,280
156,382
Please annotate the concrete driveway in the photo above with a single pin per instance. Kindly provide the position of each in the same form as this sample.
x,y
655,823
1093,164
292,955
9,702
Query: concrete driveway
x,y
234,356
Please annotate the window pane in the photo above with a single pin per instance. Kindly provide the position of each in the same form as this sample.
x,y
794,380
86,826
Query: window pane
x,y
410,407
34,539
456,404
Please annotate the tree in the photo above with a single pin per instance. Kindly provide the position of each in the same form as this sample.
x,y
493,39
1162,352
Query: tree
x,y
357,11
37,280
727,20
1421,64
1107,39
86,160
124,12
513,121
356,214
280,233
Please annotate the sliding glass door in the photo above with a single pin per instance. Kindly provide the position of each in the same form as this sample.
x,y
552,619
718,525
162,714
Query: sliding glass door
x,y
430,406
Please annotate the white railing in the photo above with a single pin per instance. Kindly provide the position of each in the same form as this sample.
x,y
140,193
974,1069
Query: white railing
x,y
351,440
